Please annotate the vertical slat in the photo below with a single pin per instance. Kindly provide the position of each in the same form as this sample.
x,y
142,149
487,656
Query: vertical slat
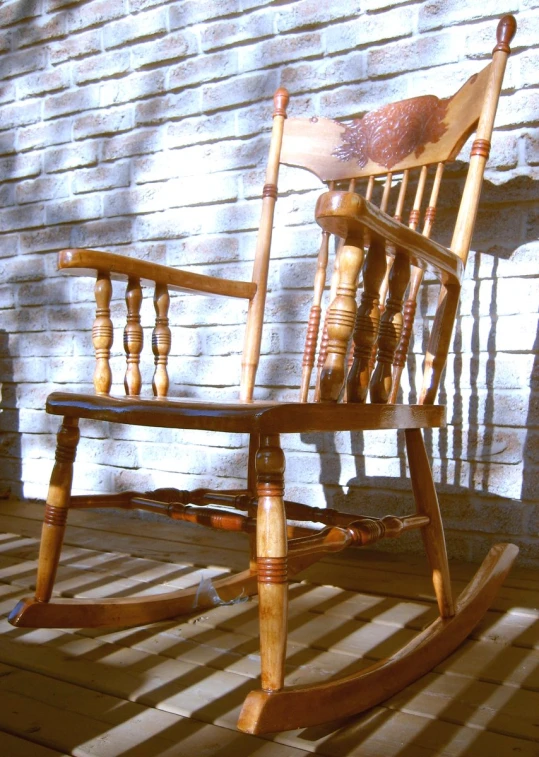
x,y
440,337
410,305
161,340
340,322
313,325
366,324
255,316
102,334
323,351
133,338
390,329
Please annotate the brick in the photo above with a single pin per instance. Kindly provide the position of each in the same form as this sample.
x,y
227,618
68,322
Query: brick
x,y
44,134
103,234
136,142
22,218
171,223
15,64
194,12
437,15
73,156
39,32
316,75
103,122
432,50
8,92
135,87
82,209
19,114
14,12
235,31
238,91
133,28
528,63
7,297
166,108
100,178
46,81
199,160
7,195
41,189
77,101
203,68
23,270
174,46
274,52
200,129
362,97
46,239
97,13
310,13
20,166
77,46
368,30
221,249
101,67
173,193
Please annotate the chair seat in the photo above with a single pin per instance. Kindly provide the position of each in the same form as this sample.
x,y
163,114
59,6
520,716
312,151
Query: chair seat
x,y
244,417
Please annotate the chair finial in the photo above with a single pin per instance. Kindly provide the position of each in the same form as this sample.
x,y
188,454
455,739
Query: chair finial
x,y
280,101
505,33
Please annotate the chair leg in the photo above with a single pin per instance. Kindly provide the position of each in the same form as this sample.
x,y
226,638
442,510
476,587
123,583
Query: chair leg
x,y
272,562
56,508
426,501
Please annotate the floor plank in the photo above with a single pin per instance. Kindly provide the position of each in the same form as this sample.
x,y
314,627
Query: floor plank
x,y
175,688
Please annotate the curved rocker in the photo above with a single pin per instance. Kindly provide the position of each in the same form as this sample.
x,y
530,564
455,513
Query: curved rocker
x,y
303,706
126,611
67,612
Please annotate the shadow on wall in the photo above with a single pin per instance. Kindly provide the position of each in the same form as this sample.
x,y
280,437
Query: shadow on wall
x,y
486,460
10,439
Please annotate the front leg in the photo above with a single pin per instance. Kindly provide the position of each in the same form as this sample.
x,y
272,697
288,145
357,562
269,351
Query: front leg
x,y
56,508
272,549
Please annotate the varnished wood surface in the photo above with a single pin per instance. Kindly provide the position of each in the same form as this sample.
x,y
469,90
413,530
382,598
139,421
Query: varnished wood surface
x,y
246,417
86,262
346,213
313,142
174,689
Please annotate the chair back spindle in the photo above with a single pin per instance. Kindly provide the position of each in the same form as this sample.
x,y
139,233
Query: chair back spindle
x,y
161,340
102,334
133,338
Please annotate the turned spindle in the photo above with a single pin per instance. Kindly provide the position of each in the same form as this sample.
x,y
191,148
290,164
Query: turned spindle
x,y
313,326
133,338
367,323
272,549
102,334
340,321
390,329
161,340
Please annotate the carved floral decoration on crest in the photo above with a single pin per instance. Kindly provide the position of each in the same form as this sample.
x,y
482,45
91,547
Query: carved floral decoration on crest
x,y
391,133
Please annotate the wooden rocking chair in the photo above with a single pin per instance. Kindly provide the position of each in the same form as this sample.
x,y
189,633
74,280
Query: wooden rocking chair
x,y
390,147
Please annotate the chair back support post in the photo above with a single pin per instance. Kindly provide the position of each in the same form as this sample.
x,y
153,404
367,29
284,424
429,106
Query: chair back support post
x,y
442,330
255,316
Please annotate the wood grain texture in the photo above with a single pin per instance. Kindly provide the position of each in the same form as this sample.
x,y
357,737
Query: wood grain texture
x,y
310,705
84,262
315,143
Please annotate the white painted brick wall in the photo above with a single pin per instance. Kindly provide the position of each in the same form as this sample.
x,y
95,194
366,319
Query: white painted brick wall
x,y
142,127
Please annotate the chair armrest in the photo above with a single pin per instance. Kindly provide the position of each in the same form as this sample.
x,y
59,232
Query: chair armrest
x,y
347,214
85,262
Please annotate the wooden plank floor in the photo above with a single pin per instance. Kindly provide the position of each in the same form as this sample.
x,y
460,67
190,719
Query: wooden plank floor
x,y
174,689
